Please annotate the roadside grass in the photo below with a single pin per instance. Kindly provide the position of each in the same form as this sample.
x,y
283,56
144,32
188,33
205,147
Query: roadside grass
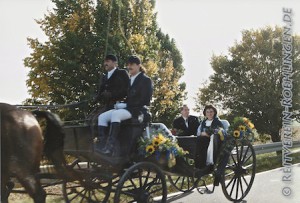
x,y
264,162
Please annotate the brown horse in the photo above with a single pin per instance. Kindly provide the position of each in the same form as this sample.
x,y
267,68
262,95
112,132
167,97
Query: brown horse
x,y
22,147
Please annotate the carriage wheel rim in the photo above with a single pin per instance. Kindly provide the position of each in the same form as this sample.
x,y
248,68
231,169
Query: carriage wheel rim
x,y
239,172
87,192
191,181
136,189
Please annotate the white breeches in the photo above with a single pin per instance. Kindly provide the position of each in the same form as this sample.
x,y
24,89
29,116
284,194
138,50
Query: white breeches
x,y
210,151
114,115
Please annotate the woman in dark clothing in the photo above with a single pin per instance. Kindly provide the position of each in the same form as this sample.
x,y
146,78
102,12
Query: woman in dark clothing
x,y
208,142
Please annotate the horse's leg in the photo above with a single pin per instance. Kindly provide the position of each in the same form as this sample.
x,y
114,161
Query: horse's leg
x,y
32,186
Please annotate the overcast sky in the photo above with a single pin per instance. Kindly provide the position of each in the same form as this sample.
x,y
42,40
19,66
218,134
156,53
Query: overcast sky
x,y
200,28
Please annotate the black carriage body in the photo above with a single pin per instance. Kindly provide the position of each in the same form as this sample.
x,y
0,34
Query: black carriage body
x,y
79,143
79,139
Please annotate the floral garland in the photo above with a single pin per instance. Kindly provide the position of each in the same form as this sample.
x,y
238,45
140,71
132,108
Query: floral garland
x,y
158,145
242,127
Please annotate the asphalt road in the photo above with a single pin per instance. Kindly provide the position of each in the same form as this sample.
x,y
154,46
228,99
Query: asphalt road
x,y
267,187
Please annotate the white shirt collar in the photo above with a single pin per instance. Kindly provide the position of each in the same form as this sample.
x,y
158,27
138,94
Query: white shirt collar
x,y
185,118
109,73
132,78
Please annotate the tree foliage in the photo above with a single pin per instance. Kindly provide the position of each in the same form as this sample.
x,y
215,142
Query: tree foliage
x,y
67,66
247,81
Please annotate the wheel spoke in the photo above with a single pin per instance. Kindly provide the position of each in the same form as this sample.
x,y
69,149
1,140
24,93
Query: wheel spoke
x,y
237,155
229,174
133,184
77,195
147,176
229,182
248,166
241,186
242,149
237,190
128,193
248,158
245,155
83,197
177,180
140,177
150,184
96,198
245,180
182,183
232,186
233,159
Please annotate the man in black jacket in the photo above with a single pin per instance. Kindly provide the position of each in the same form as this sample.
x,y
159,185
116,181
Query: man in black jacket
x,y
186,125
138,98
113,90
114,83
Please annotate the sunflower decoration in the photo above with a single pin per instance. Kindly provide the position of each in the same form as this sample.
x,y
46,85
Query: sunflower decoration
x,y
236,134
160,146
242,127
158,140
150,149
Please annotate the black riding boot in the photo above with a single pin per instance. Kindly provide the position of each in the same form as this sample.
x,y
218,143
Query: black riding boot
x,y
112,147
101,138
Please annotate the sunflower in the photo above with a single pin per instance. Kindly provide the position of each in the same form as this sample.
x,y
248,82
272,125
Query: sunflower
x,y
251,125
245,120
150,149
242,128
236,133
155,142
161,138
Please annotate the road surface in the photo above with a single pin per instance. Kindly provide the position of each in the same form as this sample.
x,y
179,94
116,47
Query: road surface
x,y
267,188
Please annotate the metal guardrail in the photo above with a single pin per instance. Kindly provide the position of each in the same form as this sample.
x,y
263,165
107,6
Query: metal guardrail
x,y
272,147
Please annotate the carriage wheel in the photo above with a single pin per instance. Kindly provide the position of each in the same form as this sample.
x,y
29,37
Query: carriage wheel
x,y
182,183
239,173
91,189
143,182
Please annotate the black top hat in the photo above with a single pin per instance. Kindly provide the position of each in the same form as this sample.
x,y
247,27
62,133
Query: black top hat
x,y
111,57
134,59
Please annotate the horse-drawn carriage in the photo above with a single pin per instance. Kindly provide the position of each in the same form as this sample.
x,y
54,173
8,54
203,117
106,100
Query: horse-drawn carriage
x,y
134,178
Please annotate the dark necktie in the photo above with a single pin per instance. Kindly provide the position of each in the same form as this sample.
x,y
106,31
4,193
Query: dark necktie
x,y
186,123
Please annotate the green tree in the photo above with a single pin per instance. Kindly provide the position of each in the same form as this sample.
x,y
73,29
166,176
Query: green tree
x,y
66,67
247,81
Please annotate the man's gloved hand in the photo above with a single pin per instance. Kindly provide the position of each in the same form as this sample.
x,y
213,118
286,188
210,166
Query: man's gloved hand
x,y
106,96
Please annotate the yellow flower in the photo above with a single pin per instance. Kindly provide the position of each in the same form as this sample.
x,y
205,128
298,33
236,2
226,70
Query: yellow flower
x,y
236,133
242,128
251,125
150,149
156,141
161,138
220,132
245,120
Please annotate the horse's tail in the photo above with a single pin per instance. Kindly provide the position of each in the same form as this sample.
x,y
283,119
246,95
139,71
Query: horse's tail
x,y
53,138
